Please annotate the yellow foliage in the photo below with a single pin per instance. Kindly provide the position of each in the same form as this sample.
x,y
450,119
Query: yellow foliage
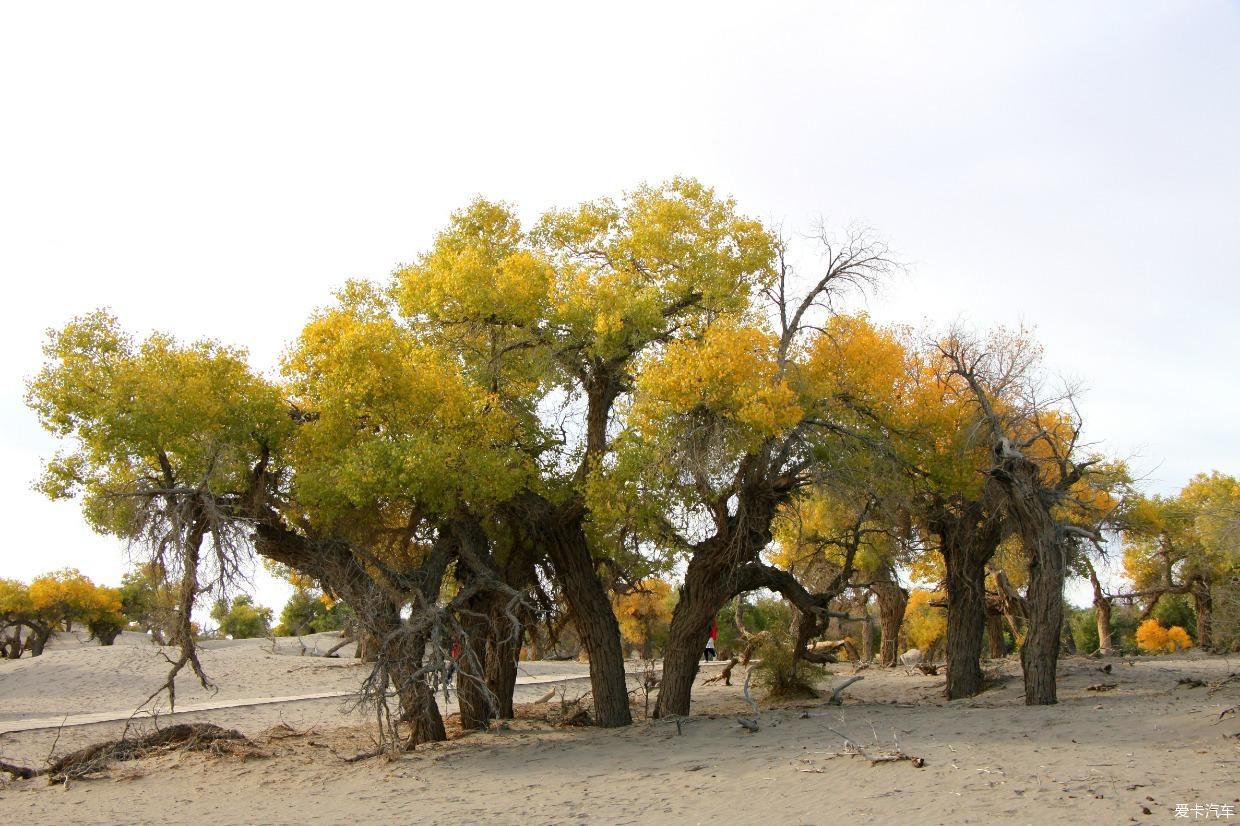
x,y
645,614
925,625
69,596
731,372
1152,637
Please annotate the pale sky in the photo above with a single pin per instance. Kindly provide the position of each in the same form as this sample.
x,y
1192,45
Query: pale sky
x,y
218,170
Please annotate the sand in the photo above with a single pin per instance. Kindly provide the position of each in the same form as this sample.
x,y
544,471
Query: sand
x,y
1149,744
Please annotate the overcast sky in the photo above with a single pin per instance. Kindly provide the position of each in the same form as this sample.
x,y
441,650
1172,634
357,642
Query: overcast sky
x,y
218,171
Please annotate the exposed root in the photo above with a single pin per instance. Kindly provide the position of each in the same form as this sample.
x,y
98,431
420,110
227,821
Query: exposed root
x,y
97,758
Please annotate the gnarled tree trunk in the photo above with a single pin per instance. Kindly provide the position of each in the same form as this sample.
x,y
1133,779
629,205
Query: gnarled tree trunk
x,y
1039,655
503,653
1102,611
968,538
892,600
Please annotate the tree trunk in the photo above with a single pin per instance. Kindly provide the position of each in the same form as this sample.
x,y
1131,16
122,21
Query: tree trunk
x,y
803,629
704,593
1013,607
867,632
503,653
966,616
994,634
400,653
1203,605
426,723
1102,617
38,639
892,600
592,614
1039,656
471,687
968,537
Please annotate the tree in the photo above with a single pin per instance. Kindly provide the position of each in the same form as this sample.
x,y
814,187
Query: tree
x,y
470,420
53,602
1185,545
308,612
241,619
17,612
167,442
1035,467
644,614
730,409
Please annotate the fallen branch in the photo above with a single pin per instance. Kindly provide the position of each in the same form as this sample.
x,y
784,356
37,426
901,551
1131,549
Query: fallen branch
x,y
835,693
331,652
749,723
725,675
1102,687
853,749
366,755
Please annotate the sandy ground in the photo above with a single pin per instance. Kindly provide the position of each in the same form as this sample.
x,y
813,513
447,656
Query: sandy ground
x,y
1131,754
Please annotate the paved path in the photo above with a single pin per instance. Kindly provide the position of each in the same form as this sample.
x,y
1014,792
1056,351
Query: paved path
x,y
35,723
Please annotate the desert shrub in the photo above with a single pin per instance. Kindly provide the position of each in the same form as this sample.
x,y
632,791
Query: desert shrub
x,y
775,674
1154,638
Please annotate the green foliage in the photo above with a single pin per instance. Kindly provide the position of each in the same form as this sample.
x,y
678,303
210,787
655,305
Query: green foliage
x,y
764,614
1177,610
146,417
1084,627
147,600
774,669
241,619
306,612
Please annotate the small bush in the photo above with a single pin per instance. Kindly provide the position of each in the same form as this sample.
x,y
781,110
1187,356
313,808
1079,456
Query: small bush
x,y
1153,638
774,671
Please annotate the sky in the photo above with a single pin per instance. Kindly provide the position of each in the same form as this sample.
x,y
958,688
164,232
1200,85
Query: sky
x,y
217,170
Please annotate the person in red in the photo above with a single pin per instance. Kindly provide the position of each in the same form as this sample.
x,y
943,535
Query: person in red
x,y
710,642
454,656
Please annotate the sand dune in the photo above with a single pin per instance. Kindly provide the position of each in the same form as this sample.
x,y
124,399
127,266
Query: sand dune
x,y
1104,757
